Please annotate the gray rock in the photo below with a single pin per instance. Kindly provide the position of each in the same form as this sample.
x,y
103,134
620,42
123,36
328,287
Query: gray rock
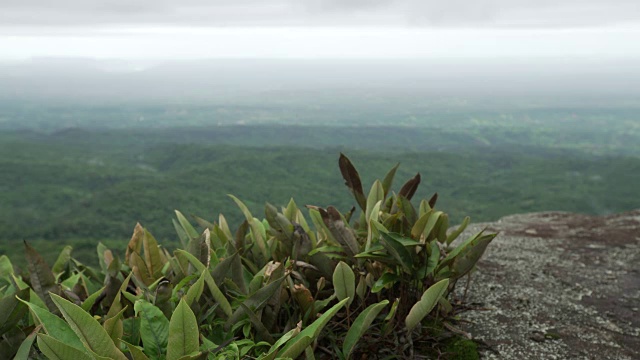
x,y
558,286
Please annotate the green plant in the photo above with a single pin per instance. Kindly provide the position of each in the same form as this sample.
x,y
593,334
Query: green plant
x,y
274,288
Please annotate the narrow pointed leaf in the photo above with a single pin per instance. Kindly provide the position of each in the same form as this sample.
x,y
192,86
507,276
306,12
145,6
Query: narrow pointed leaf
x,y
114,326
376,194
12,310
409,188
257,300
397,251
388,180
300,342
152,255
454,234
25,347
42,279
211,284
433,200
62,261
352,180
469,256
428,301
135,351
195,290
54,326
56,350
360,326
186,225
91,333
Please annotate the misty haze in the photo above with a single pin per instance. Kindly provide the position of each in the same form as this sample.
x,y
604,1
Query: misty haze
x,y
119,113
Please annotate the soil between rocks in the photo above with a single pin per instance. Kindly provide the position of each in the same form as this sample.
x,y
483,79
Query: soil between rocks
x,y
558,286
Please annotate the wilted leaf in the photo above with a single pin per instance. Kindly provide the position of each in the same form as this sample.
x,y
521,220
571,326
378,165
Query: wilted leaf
x,y
341,233
428,301
352,180
409,188
42,279
433,200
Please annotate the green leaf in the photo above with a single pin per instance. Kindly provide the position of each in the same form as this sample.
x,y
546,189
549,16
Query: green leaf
x,y
360,326
186,225
256,228
91,333
12,310
54,326
352,180
42,279
418,228
299,343
25,347
154,328
469,255
183,333
211,284
56,350
388,180
6,268
135,351
384,280
152,255
376,194
344,282
397,251
428,301
195,290
454,234
62,261
257,300
114,326
472,241
88,303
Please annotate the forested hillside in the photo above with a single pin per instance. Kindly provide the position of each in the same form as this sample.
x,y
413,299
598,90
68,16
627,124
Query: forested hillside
x,y
86,186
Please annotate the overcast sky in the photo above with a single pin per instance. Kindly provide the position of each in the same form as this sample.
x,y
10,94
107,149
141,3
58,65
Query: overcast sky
x,y
186,29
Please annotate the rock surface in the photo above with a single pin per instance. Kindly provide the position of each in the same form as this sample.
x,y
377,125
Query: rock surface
x,y
558,286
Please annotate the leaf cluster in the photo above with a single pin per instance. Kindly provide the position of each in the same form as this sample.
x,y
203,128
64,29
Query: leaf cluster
x,y
373,280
